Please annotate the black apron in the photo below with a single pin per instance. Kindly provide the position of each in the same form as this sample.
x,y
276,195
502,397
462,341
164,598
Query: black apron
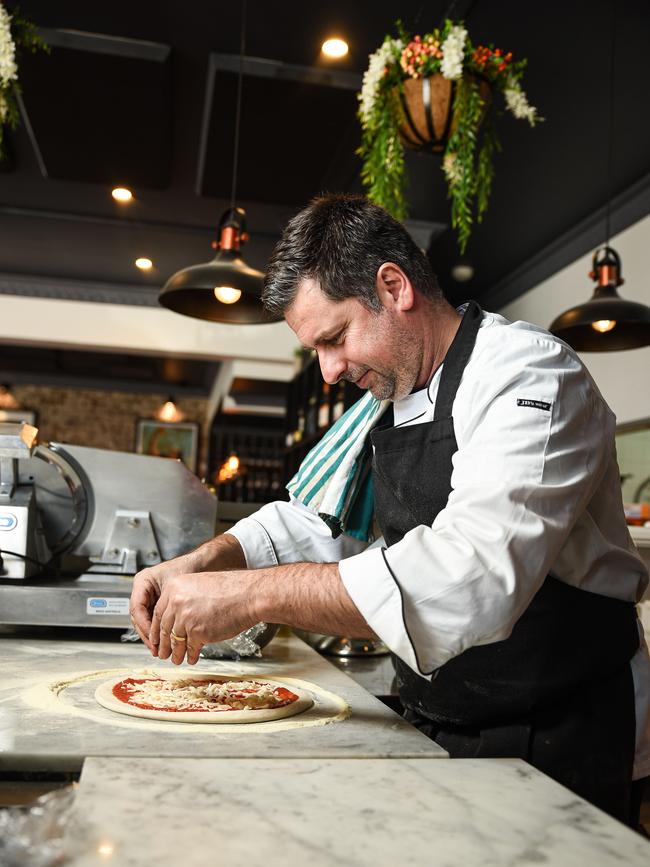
x,y
558,692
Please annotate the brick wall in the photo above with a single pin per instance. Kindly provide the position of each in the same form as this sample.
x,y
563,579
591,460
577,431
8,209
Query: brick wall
x,y
102,419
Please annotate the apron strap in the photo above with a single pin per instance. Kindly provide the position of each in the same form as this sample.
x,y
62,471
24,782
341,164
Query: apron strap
x,y
456,358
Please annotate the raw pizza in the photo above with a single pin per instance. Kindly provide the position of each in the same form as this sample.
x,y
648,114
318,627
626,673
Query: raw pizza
x,y
202,698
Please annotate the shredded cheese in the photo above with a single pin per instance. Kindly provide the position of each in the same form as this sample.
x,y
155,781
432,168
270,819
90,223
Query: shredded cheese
x,y
214,696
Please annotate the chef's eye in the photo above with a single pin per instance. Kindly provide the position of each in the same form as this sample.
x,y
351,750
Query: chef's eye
x,y
336,340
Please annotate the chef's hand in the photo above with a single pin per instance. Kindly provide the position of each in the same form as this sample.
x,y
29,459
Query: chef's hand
x,y
193,610
147,587
223,552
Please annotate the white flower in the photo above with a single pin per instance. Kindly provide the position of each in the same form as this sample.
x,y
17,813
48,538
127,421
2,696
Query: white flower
x,y
452,169
519,105
453,53
8,68
373,75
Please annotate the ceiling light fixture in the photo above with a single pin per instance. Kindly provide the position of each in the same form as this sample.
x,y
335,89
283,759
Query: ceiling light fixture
x,y
169,412
462,271
335,48
226,289
144,264
7,400
121,194
607,322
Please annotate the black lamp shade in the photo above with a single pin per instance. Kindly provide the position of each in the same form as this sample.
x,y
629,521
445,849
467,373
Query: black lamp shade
x,y
631,331
191,290
632,320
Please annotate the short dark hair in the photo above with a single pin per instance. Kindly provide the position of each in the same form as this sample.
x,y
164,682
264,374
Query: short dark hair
x,y
341,241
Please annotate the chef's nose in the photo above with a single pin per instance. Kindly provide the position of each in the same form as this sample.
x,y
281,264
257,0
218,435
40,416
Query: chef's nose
x,y
332,365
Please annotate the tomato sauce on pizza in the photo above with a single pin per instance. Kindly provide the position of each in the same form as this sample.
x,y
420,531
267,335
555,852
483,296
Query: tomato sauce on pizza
x,y
209,695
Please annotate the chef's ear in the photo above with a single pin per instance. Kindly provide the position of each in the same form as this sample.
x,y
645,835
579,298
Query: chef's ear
x,y
394,288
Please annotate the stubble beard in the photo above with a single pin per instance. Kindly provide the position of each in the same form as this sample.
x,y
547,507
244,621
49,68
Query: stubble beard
x,y
400,381
384,386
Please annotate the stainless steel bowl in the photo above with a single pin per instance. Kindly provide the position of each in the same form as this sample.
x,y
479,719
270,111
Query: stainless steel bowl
x,y
335,645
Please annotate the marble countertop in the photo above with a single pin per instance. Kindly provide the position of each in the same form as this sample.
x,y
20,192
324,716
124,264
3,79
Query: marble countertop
x,y
41,730
376,812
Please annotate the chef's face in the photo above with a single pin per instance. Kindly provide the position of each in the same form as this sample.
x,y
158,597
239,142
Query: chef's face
x,y
372,349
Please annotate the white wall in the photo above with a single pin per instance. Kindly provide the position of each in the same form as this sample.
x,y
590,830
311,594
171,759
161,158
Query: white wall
x,y
623,377
266,350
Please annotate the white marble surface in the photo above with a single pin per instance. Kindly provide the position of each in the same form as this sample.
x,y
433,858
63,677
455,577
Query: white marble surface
x,y
57,734
243,812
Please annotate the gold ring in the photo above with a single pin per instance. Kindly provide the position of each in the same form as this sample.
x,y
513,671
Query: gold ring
x,y
178,637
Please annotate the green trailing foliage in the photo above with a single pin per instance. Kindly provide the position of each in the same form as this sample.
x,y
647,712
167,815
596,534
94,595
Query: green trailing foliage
x,y
468,158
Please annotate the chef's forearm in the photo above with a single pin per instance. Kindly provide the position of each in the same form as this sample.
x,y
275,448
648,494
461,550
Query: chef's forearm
x,y
217,555
308,596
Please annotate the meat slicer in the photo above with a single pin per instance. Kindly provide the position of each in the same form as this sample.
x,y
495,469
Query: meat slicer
x,y
76,523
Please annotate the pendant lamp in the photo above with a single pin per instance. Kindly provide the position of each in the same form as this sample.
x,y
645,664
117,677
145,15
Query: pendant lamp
x,y
226,289
7,400
168,411
607,322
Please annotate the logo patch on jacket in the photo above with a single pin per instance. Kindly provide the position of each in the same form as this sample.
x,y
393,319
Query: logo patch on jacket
x,y
537,404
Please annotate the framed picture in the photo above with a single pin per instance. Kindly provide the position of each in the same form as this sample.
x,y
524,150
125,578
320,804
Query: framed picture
x,y
26,415
168,440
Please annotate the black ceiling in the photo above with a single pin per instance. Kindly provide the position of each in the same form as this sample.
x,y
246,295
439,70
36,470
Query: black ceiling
x,y
144,93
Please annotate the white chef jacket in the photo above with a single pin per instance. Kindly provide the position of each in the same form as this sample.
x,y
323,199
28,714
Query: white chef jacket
x,y
535,489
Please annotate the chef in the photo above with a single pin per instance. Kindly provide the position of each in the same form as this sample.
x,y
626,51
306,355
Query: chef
x,y
505,580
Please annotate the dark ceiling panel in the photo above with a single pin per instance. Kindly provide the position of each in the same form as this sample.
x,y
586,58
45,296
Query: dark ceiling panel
x,y
100,108
258,392
298,135
549,181
70,368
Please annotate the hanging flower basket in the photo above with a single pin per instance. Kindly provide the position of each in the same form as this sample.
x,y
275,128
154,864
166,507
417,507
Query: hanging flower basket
x,y
428,118
435,93
16,32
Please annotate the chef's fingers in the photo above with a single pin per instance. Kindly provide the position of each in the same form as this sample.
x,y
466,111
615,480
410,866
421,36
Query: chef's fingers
x,y
165,644
143,600
141,621
159,633
194,647
179,641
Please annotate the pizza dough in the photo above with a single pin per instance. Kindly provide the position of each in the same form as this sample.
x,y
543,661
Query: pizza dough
x,y
294,700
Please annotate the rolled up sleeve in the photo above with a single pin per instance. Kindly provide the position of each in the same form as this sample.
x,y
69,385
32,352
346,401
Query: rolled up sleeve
x,y
288,532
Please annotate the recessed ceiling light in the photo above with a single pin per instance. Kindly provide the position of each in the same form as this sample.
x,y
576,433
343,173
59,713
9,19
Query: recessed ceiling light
x,y
462,272
121,194
143,264
334,48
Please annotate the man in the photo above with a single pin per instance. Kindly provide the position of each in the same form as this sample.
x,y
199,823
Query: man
x,y
506,581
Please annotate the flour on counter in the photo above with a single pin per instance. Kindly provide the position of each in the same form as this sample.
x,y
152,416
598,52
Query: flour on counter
x,y
65,696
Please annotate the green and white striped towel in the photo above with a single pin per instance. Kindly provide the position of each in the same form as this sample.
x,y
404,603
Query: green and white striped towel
x,y
334,480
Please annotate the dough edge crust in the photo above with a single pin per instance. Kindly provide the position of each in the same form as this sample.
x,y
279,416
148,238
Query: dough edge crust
x,y
104,696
